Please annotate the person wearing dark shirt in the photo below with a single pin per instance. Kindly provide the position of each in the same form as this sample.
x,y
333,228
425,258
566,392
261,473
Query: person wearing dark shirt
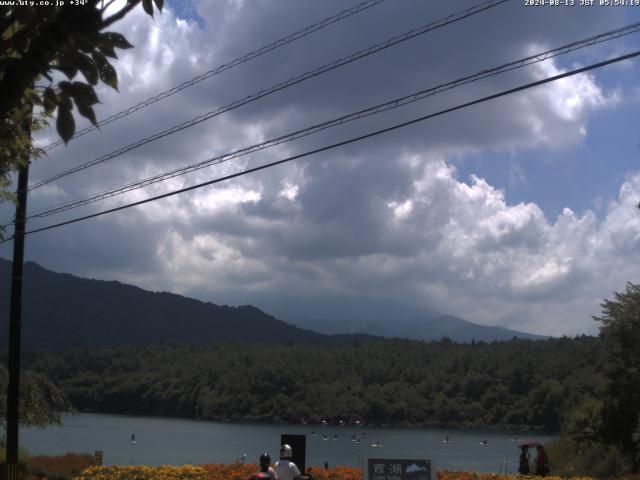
x,y
266,472
542,462
523,465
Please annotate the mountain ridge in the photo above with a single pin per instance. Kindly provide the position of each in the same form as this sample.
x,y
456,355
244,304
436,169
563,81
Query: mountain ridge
x,y
62,311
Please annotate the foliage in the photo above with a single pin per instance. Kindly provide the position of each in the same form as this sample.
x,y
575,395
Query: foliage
x,y
41,401
584,423
620,330
36,42
571,459
23,454
601,435
520,383
59,467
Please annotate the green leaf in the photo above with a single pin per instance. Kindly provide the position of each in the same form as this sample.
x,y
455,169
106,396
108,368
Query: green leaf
x,y
31,96
107,73
87,112
65,124
86,42
87,67
159,4
50,100
84,94
107,49
109,76
69,70
117,40
65,87
148,7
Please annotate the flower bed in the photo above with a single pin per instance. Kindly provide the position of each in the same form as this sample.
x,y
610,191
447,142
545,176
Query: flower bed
x,y
164,472
60,466
447,475
216,471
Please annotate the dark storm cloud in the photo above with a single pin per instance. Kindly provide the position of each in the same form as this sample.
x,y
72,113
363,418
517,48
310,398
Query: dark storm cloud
x,y
384,217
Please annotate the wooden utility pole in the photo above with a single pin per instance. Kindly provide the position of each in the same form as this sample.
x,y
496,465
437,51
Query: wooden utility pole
x,y
15,325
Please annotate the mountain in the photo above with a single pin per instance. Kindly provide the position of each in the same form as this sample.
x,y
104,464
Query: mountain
x,y
62,311
386,319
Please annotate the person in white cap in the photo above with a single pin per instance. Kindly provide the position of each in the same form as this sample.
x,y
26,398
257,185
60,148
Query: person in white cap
x,y
285,468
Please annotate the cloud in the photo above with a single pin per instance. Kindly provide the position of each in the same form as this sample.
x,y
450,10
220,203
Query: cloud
x,y
388,217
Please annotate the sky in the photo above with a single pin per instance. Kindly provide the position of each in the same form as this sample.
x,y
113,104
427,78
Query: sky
x,y
519,211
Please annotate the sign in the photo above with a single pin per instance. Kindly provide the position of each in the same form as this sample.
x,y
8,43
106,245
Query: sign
x,y
298,444
398,469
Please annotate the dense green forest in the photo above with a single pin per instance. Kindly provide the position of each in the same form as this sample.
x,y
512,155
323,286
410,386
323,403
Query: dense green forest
x,y
519,383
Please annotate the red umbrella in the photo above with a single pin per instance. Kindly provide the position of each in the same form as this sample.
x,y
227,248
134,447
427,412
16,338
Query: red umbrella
x,y
529,444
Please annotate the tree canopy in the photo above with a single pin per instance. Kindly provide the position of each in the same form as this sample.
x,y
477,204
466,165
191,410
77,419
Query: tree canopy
x,y
601,435
37,43
41,401
503,384
620,330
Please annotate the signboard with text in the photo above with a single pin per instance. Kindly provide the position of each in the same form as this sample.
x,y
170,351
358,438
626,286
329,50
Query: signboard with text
x,y
398,469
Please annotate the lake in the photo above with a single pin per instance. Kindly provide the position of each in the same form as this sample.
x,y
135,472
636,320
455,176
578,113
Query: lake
x,y
179,441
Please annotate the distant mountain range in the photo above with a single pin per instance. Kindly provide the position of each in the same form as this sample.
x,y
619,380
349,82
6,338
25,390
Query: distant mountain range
x,y
386,319
63,311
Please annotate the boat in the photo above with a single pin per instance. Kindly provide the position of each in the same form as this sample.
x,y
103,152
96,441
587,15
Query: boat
x,y
133,439
447,440
376,444
484,443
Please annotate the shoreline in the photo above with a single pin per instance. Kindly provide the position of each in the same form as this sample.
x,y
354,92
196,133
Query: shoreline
x,y
519,429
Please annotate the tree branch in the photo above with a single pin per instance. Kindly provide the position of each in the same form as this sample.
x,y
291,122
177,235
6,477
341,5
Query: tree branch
x,y
119,15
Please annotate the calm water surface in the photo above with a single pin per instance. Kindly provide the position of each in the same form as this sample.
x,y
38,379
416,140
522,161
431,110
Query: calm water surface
x,y
178,441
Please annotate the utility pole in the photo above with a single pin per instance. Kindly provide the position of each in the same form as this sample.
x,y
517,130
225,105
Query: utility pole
x,y
15,325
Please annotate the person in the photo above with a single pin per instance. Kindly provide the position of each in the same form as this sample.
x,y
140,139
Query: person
x,y
285,468
523,465
266,472
542,462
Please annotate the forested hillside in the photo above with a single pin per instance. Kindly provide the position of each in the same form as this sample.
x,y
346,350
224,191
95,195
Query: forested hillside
x,y
516,383
98,314
94,313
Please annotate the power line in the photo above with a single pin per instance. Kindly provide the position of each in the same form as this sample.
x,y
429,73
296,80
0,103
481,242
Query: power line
x,y
455,17
342,143
383,107
233,63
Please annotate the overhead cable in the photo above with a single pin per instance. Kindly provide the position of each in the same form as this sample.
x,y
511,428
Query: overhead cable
x,y
383,107
455,17
233,63
340,144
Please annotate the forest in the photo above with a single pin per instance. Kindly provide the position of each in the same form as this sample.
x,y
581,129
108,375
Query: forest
x,y
513,384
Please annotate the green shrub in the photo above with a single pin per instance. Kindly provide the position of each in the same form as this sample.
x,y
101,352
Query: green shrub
x,y
570,459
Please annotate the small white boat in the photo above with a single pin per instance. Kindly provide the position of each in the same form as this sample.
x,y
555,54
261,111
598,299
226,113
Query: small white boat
x,y
376,444
133,439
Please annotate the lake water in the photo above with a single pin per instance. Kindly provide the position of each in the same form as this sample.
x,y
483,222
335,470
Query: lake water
x,y
179,441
